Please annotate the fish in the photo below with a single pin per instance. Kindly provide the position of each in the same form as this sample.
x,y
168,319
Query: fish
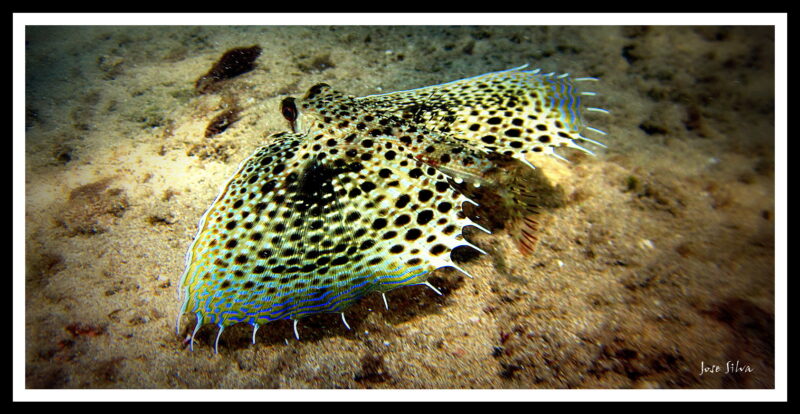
x,y
364,195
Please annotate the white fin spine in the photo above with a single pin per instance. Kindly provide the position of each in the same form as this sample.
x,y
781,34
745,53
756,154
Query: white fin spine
x,y
178,324
455,266
433,288
473,246
572,144
525,161
478,226
465,199
216,341
549,150
194,332
599,131
598,143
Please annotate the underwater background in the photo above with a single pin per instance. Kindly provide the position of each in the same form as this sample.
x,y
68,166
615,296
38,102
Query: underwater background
x,y
657,262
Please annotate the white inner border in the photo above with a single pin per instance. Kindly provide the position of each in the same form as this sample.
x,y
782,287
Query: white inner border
x,y
779,20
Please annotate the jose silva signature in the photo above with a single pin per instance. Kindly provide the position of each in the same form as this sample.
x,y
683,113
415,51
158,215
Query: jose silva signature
x,y
731,367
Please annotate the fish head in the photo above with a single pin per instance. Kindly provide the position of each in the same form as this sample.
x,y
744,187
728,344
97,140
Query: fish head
x,y
318,106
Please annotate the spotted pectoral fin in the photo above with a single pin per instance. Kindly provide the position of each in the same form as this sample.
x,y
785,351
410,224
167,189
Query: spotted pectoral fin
x,y
516,112
312,225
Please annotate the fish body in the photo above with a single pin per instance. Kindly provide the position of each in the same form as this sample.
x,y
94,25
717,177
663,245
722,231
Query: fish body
x,y
368,194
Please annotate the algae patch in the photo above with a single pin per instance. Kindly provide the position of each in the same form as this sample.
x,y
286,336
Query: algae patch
x,y
92,208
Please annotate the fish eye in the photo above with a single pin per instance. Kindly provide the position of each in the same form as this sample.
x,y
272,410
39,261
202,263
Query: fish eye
x,y
289,109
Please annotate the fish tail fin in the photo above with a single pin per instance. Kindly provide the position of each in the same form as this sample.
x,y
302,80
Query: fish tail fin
x,y
525,233
513,197
526,204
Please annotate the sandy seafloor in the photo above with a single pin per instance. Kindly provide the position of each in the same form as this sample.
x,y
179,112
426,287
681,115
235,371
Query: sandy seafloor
x,y
661,258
